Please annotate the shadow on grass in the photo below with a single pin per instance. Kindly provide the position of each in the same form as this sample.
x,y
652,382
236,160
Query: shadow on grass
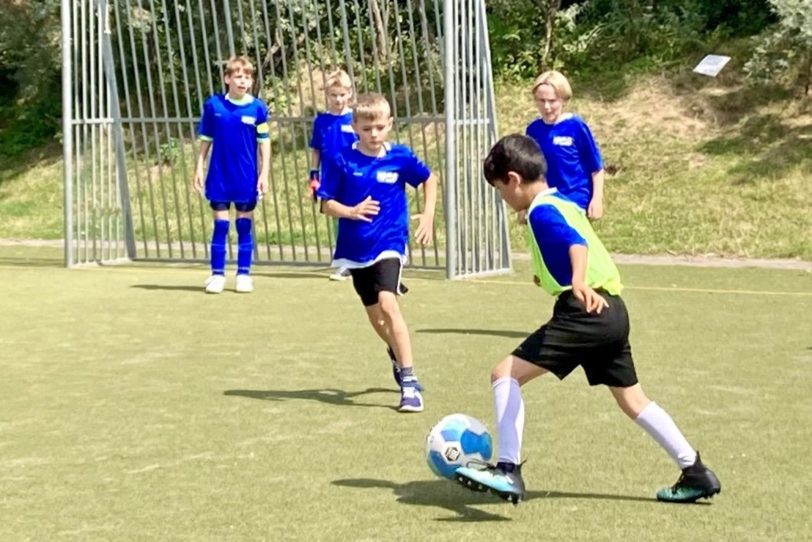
x,y
454,498
437,493
330,396
170,287
31,262
767,148
490,332
322,275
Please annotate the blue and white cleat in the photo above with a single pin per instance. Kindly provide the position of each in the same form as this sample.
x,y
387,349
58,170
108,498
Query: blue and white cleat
x,y
410,399
396,370
502,479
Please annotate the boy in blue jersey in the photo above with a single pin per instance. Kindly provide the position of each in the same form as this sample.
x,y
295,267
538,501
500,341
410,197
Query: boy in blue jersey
x,y
364,186
332,131
589,327
232,126
574,163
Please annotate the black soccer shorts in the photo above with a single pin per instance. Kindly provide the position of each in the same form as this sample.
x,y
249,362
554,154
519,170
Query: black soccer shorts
x,y
597,342
382,276
243,207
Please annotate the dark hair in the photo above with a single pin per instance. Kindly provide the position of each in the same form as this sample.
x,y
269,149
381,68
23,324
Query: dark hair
x,y
517,153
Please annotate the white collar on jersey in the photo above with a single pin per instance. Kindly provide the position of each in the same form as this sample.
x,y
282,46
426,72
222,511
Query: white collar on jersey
x,y
245,100
385,149
561,118
343,112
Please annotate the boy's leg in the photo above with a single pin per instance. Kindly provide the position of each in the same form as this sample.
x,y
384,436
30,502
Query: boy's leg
x,y
219,237
378,322
504,479
411,399
696,481
245,250
656,422
378,286
396,329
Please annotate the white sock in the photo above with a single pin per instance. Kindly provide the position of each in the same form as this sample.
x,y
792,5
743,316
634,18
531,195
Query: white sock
x,y
509,408
662,428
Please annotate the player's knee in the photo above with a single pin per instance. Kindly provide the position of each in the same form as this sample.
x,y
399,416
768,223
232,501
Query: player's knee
x,y
503,369
389,306
631,400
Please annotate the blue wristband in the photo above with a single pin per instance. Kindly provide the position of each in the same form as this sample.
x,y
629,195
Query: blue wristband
x,y
314,174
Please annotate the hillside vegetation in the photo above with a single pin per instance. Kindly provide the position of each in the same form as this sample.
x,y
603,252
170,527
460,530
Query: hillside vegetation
x,y
695,166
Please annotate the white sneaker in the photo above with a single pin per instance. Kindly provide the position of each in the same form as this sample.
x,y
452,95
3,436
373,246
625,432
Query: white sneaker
x,y
215,284
245,284
342,274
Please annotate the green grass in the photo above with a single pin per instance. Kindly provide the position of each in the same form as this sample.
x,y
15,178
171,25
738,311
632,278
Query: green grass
x,y
135,409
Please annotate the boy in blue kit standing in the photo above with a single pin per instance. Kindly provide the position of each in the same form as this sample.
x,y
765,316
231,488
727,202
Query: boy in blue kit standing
x,y
364,187
232,126
574,163
589,327
332,131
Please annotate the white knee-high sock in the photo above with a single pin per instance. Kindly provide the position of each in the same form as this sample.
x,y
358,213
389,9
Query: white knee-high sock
x,y
509,408
662,428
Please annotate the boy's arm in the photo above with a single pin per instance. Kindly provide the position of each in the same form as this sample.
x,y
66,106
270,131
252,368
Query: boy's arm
x,y
313,180
425,227
264,165
365,210
591,299
595,209
200,178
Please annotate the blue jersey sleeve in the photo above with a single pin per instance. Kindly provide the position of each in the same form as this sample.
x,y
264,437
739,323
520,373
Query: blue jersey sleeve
x,y
415,171
330,187
554,237
316,136
263,129
550,228
206,128
588,149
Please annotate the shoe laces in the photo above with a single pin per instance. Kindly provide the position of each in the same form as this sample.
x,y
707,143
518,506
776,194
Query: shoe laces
x,y
409,392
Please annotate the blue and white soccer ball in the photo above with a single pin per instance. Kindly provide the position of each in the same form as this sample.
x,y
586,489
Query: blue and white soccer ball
x,y
455,441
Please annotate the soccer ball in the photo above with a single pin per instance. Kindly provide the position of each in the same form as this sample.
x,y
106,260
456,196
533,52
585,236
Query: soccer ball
x,y
454,442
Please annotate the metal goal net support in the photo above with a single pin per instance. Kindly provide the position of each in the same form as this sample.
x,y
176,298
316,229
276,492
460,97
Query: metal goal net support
x,y
136,73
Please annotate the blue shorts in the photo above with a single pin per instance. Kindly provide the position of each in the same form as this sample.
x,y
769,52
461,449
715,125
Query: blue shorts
x,y
242,207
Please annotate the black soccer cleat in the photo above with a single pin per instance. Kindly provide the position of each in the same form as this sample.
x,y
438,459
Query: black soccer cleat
x,y
695,482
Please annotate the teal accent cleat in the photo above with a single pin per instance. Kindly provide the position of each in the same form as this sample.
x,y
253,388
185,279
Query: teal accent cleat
x,y
502,479
695,482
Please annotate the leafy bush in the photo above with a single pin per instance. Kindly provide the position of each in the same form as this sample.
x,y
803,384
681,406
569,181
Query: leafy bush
x,y
784,53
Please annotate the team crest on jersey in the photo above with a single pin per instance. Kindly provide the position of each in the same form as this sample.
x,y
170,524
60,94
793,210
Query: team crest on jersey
x,y
247,119
562,141
347,128
388,177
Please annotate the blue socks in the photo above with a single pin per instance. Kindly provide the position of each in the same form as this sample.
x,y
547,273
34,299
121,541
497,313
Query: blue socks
x,y
245,239
218,247
245,252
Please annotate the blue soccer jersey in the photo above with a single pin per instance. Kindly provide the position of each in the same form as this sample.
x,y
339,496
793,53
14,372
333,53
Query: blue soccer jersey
x,y
572,156
234,128
331,132
351,176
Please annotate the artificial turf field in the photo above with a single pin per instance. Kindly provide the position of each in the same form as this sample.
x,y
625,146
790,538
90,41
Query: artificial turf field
x,y
135,407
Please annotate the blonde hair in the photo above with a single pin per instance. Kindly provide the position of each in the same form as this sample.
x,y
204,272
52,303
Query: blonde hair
x,y
338,78
239,62
371,106
556,80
